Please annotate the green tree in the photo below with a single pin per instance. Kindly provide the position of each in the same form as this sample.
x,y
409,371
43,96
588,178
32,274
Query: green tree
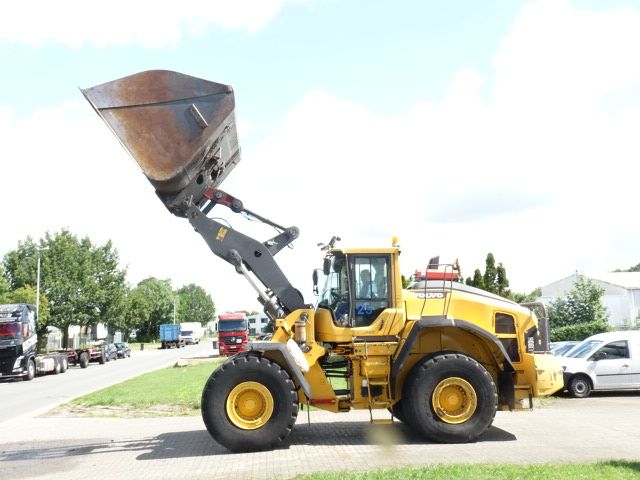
x,y
4,285
111,284
635,268
195,305
495,280
82,282
28,294
526,297
580,314
157,306
502,282
137,312
477,280
489,279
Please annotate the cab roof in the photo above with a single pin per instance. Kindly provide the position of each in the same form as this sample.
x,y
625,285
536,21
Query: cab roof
x,y
365,251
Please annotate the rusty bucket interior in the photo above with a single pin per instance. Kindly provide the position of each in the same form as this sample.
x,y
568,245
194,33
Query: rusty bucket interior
x,y
181,130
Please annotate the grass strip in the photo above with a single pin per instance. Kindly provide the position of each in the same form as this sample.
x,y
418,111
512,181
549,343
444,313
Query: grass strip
x,y
611,470
180,388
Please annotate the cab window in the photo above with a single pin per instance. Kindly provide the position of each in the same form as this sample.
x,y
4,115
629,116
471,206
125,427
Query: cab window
x,y
370,285
335,294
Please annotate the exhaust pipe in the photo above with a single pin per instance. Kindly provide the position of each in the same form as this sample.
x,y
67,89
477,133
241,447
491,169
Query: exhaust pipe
x,y
181,130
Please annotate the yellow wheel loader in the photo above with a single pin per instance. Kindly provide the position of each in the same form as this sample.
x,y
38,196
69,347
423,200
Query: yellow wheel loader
x,y
440,356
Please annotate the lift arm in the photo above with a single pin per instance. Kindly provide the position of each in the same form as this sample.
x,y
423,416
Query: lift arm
x,y
249,255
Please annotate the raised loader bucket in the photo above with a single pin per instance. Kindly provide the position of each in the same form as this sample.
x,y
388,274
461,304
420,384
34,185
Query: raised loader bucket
x,y
181,130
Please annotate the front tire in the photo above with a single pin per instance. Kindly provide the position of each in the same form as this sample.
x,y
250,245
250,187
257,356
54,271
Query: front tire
x,y
580,386
31,371
450,398
249,403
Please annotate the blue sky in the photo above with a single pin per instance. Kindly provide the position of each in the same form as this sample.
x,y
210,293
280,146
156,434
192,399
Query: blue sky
x,y
467,127
387,57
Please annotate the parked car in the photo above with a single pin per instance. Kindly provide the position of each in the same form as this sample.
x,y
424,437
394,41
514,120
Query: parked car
x,y
123,349
606,361
110,351
560,349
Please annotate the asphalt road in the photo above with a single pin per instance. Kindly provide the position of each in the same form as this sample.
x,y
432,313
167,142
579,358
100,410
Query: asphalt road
x,y
19,398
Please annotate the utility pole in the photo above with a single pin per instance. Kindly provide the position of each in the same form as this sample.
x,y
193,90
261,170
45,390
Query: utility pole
x,y
174,310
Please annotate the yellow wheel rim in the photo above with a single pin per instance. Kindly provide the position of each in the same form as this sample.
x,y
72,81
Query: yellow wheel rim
x,y
454,400
249,405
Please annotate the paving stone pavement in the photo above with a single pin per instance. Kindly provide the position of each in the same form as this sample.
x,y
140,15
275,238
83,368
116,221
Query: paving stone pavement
x,y
601,427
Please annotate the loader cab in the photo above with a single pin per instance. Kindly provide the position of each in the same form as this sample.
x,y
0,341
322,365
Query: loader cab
x,y
358,287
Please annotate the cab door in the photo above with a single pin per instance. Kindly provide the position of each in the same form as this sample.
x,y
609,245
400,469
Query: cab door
x,y
372,290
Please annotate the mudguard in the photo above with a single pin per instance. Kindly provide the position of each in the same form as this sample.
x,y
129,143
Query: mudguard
x,y
505,376
289,362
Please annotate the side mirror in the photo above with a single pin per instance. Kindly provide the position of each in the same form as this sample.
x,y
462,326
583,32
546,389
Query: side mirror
x,y
315,282
326,266
599,355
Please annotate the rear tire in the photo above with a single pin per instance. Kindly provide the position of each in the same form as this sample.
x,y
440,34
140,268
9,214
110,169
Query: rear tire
x,y
580,386
64,364
450,398
84,360
398,411
249,403
57,367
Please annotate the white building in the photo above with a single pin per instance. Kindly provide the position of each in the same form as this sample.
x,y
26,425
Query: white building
x,y
621,295
257,323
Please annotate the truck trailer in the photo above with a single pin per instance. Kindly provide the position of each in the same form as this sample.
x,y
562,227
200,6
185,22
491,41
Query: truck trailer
x,y
18,345
170,336
439,356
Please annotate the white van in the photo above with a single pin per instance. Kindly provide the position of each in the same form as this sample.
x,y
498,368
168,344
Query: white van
x,y
606,361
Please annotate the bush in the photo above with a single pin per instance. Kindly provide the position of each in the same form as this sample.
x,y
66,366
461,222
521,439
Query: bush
x,y
579,331
580,314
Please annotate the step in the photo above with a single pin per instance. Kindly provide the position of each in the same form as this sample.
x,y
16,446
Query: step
x,y
381,381
342,393
382,421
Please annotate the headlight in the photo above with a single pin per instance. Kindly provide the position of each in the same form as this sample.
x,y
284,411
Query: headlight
x,y
17,362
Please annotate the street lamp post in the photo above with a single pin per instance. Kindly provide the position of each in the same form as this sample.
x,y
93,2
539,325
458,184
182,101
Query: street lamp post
x,y
38,283
174,310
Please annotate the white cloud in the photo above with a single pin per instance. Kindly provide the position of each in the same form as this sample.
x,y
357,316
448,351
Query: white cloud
x,y
147,23
537,171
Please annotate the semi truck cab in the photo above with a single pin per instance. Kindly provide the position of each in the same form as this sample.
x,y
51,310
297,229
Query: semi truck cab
x,y
17,338
233,333
18,344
